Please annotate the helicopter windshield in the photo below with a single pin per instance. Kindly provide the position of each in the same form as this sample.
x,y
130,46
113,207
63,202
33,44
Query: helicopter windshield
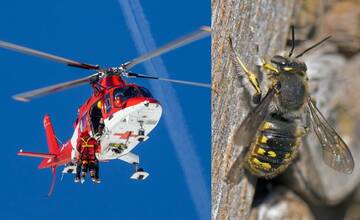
x,y
145,92
128,92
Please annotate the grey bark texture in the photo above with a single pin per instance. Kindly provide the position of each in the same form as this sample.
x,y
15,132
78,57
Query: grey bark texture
x,y
251,24
260,29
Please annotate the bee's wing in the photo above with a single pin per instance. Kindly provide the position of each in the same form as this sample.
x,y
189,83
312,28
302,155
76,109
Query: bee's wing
x,y
246,133
251,123
336,154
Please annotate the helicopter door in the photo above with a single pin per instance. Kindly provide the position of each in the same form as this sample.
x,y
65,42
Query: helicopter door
x,y
95,116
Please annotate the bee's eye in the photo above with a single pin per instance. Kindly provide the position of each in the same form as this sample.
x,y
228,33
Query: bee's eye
x,y
303,66
279,60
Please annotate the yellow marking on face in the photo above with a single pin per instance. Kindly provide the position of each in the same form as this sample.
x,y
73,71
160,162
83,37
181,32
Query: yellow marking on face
x,y
287,68
266,126
263,139
271,153
261,151
270,67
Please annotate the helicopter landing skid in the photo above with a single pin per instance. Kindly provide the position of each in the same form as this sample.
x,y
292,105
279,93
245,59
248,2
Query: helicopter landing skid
x,y
69,168
139,173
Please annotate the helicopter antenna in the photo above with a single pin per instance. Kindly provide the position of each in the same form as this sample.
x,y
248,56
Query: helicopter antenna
x,y
313,46
292,40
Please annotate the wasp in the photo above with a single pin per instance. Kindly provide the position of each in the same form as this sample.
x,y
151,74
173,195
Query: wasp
x,y
271,133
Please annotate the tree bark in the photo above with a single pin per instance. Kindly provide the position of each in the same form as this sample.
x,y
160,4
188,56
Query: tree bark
x,y
252,25
260,29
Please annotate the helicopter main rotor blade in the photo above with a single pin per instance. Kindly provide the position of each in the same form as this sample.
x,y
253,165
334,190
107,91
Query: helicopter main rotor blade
x,y
137,75
197,35
27,96
25,50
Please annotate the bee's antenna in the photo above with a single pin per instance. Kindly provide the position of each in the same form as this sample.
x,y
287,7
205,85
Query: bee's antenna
x,y
292,40
313,46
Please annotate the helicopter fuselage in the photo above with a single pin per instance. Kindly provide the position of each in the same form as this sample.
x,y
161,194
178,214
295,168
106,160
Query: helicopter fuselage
x,y
129,114
128,111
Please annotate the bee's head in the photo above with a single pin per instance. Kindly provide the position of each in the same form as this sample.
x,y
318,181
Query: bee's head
x,y
287,64
292,65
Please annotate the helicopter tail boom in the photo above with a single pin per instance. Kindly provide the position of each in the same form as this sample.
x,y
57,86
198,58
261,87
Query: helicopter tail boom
x,y
34,154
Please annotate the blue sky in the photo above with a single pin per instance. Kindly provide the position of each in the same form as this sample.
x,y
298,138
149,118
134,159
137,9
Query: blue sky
x,y
96,33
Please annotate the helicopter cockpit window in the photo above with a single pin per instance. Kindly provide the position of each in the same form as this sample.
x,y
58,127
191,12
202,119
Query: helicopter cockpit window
x,y
118,96
126,93
107,103
145,92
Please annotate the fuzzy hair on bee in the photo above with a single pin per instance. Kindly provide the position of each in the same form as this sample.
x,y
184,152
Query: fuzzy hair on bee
x,y
272,132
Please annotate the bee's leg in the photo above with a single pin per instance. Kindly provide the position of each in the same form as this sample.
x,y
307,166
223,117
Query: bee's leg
x,y
253,80
249,74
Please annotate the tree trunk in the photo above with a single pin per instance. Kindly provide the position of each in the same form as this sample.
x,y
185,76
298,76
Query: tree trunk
x,y
257,28
260,29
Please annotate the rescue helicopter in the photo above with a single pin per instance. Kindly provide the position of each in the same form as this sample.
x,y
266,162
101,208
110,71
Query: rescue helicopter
x,y
128,111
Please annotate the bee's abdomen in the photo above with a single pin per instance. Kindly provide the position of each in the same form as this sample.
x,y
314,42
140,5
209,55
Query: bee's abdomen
x,y
273,148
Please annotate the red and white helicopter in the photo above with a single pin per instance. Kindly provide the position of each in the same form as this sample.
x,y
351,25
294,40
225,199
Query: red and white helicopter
x,y
129,111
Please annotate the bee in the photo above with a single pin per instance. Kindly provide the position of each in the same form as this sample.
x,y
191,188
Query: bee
x,y
271,133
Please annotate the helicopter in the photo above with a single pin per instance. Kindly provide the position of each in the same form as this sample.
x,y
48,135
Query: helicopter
x,y
128,111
